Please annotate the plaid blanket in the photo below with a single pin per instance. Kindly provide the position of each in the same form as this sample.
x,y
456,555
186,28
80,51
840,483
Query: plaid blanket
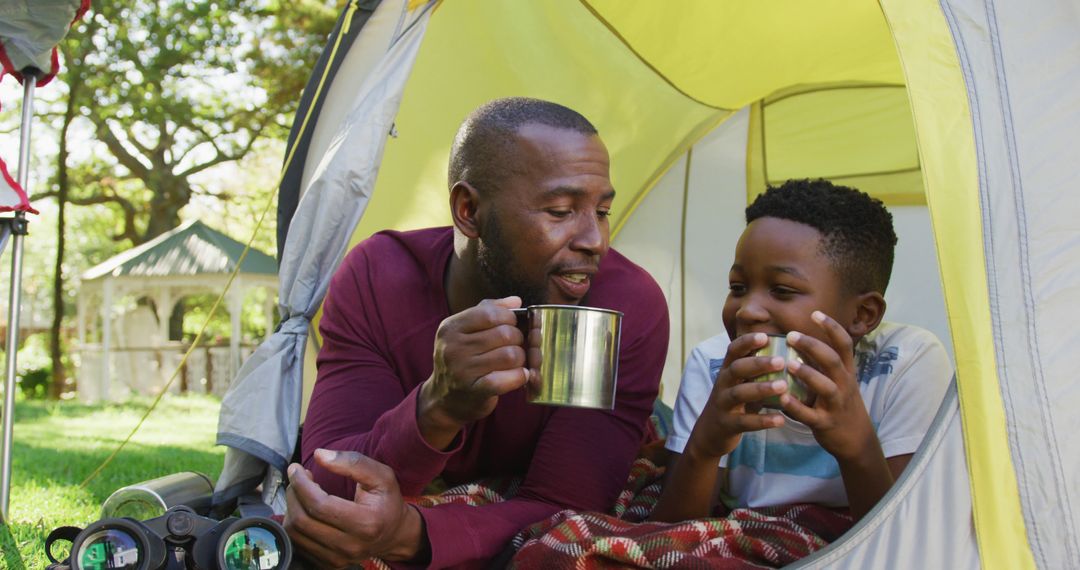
x,y
744,538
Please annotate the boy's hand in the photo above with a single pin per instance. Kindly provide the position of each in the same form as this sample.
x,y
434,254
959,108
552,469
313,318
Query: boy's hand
x,y
837,415
734,402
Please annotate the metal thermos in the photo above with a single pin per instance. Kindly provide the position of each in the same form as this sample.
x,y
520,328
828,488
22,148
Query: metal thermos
x,y
150,499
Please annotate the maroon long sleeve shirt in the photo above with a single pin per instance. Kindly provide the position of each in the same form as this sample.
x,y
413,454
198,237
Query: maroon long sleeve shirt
x,y
379,321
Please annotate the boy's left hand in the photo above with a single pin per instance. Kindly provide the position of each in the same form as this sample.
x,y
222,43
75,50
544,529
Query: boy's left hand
x,y
837,415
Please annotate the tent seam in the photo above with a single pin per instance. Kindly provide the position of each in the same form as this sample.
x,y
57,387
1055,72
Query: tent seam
x,y
646,62
995,308
1025,275
682,255
833,87
696,134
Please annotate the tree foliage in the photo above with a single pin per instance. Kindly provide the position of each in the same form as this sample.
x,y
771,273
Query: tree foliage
x,y
162,104
170,89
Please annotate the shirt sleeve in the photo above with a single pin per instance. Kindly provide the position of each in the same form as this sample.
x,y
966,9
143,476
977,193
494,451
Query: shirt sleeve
x,y
359,403
581,460
920,378
696,385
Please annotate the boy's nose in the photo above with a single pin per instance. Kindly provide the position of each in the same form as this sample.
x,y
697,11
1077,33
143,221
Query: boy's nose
x,y
751,313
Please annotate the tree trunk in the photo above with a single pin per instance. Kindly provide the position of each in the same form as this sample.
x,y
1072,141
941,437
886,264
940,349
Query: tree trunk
x,y
59,374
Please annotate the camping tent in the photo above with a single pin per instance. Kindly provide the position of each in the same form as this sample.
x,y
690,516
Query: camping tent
x,y
970,107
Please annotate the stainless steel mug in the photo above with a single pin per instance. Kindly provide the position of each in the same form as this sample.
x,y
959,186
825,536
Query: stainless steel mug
x,y
572,354
778,346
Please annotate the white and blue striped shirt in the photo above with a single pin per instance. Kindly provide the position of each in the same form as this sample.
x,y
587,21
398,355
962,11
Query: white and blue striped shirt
x,y
903,374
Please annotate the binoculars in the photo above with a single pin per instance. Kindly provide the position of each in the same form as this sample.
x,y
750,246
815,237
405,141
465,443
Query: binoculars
x,y
177,538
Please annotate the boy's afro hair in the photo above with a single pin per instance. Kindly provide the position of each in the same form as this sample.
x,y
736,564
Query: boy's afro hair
x,y
857,231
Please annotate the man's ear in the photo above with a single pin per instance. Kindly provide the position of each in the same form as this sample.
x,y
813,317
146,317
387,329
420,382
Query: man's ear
x,y
869,310
464,204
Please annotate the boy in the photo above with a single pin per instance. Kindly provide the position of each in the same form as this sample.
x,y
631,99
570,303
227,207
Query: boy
x,y
812,264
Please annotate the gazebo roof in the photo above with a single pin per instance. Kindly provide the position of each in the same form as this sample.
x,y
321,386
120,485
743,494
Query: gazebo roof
x,y
190,249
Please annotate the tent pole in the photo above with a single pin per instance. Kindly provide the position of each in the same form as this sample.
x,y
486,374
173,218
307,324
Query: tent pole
x,y
15,294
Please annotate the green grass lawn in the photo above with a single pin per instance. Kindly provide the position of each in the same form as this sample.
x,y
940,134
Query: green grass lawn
x,y
57,445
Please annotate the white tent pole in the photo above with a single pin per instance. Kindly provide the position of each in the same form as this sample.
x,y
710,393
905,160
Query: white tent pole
x,y
15,294
106,336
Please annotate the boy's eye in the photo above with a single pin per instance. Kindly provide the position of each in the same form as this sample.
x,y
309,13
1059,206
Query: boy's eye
x,y
784,291
736,288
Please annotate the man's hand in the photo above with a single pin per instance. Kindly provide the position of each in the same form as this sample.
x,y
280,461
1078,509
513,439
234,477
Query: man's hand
x,y
338,532
479,356
733,405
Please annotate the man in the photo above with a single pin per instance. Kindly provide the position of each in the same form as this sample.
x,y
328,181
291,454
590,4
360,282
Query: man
x,y
530,195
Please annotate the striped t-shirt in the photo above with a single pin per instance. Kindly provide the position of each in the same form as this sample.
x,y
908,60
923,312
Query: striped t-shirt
x,y
903,374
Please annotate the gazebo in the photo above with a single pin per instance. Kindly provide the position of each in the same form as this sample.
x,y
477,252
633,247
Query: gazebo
x,y
136,354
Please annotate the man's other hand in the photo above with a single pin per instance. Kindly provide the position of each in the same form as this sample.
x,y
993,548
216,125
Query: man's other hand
x,y
479,356
338,532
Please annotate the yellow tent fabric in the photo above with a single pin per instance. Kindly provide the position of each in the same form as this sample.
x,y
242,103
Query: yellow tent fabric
x,y
730,54
454,74
946,141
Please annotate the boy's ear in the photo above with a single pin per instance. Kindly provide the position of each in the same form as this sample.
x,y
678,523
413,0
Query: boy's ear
x,y
464,204
869,310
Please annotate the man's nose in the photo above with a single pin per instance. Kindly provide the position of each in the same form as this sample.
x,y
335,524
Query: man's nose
x,y
591,235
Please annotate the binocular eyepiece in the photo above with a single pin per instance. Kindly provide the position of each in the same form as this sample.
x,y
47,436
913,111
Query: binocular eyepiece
x,y
180,538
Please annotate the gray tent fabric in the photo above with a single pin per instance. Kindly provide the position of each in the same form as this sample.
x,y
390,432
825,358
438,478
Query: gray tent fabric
x,y
1021,66
1016,62
261,412
897,529
30,30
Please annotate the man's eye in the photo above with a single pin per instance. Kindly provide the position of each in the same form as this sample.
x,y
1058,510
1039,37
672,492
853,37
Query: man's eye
x,y
560,213
603,214
737,288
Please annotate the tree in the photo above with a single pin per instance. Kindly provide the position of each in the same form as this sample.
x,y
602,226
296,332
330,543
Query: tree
x,y
168,90
173,88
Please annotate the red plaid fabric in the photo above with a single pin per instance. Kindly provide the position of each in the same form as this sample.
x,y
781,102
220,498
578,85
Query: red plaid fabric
x,y
745,538
762,538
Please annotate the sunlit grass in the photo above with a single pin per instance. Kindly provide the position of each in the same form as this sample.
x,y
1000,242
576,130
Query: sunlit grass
x,y
57,445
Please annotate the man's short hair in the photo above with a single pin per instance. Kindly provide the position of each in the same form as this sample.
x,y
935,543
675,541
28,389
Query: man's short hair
x,y
857,231
483,150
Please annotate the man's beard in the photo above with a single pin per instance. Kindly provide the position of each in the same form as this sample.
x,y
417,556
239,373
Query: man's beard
x,y
500,270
